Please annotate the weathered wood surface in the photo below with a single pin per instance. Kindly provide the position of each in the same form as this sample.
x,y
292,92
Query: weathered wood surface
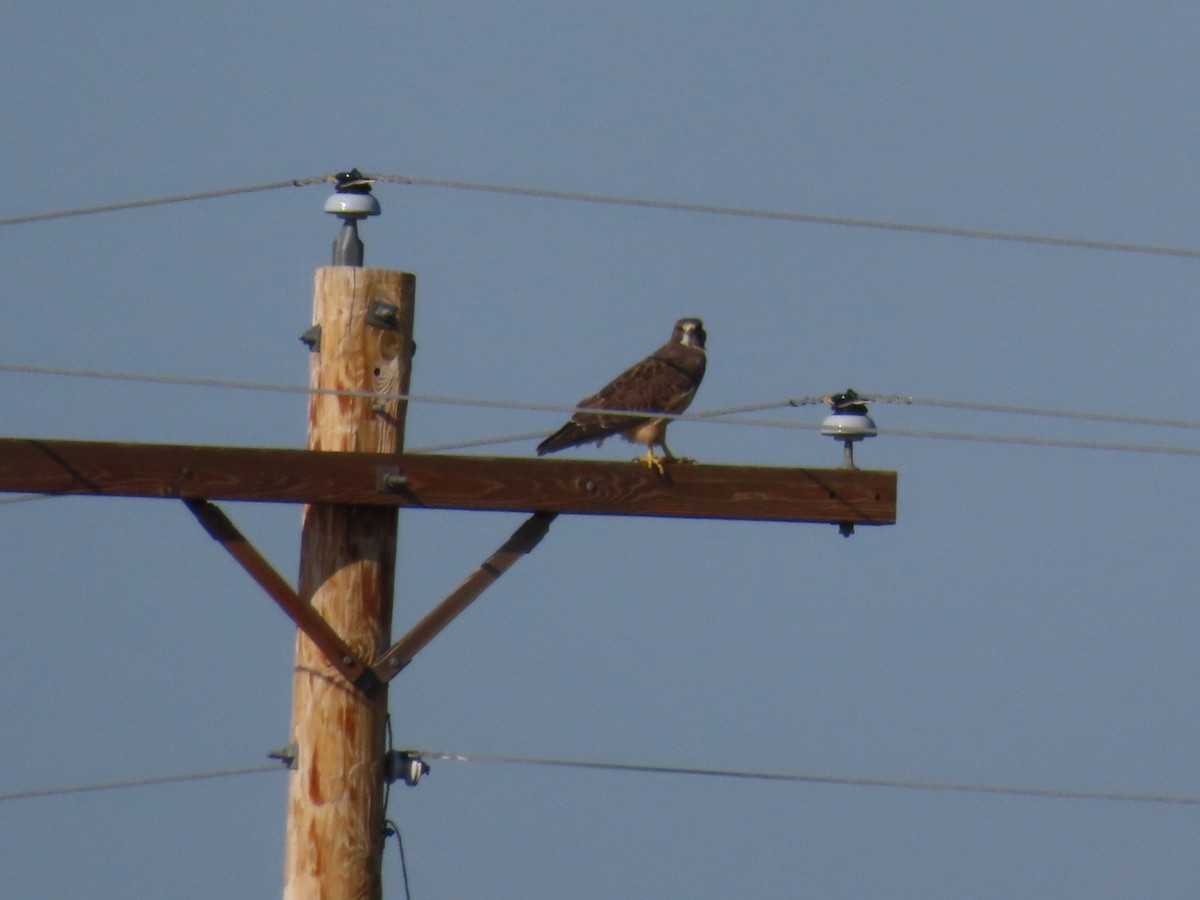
x,y
448,482
335,829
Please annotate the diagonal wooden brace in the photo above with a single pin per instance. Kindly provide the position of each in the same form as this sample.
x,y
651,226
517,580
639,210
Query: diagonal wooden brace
x,y
307,619
523,540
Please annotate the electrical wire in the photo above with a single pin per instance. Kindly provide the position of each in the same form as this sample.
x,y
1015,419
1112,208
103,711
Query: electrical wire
x,y
1030,441
743,774
718,412
969,405
779,215
1109,418
639,202
1150,421
479,442
843,780
390,829
722,416
161,201
137,782
267,387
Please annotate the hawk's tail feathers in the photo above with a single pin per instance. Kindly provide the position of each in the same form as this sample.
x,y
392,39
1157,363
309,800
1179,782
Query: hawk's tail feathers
x,y
570,435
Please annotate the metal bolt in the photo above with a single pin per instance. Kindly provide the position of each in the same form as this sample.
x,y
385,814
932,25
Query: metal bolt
x,y
287,755
394,481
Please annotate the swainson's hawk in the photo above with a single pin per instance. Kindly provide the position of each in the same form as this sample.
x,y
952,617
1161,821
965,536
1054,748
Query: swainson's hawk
x,y
663,382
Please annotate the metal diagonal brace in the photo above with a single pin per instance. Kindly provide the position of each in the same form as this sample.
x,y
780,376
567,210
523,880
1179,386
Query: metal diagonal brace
x,y
523,540
307,619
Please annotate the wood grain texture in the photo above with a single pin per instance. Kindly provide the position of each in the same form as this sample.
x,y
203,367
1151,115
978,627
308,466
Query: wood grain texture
x,y
448,482
335,830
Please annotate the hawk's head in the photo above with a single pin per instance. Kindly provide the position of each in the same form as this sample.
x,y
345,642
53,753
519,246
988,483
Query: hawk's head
x,y
690,333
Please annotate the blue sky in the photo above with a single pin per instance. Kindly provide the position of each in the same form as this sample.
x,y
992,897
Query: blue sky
x,y
1029,621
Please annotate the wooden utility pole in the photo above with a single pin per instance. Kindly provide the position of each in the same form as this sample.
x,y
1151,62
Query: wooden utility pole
x,y
335,828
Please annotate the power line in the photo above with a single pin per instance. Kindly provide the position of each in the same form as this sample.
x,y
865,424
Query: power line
x,y
968,405
1152,421
722,416
437,399
480,442
161,201
137,782
1029,441
778,215
649,769
843,780
718,412
639,202
24,498
267,387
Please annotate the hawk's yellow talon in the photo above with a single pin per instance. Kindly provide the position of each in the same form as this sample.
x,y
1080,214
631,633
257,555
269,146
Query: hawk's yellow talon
x,y
657,463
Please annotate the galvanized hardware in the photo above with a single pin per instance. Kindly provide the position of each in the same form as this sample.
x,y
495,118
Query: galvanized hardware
x,y
404,765
391,480
312,339
288,755
384,315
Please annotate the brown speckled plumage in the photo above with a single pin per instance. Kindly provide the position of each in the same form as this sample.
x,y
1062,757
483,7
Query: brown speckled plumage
x,y
664,382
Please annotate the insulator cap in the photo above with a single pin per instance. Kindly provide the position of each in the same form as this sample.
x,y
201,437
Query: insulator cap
x,y
352,206
848,426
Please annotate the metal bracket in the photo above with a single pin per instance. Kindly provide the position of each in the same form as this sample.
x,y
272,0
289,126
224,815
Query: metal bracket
x,y
404,765
384,315
312,339
288,754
